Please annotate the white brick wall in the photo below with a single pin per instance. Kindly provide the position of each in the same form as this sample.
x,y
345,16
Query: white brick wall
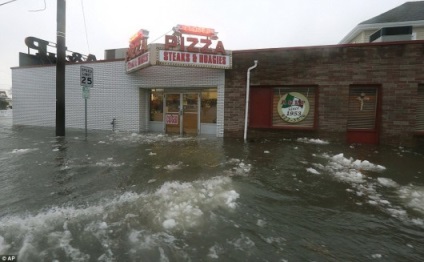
x,y
114,94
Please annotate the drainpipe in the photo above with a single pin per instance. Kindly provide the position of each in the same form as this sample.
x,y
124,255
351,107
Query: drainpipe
x,y
247,98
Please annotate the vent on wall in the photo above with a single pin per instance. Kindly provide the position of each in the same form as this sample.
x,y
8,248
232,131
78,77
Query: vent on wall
x,y
389,34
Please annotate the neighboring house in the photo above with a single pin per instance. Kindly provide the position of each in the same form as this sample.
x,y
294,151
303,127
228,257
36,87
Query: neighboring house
x,y
4,100
403,23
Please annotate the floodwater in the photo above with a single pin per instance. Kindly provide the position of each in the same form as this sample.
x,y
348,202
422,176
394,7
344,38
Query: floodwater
x,y
150,197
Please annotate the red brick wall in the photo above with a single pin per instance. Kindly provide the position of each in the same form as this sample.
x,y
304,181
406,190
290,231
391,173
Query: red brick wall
x,y
397,67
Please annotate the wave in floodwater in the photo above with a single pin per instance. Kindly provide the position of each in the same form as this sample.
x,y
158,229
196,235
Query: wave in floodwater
x,y
132,222
351,171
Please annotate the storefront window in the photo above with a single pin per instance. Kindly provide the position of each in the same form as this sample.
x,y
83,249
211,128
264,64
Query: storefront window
x,y
362,107
283,107
294,106
209,101
156,105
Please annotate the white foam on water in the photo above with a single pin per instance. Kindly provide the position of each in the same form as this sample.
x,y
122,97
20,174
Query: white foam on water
x,y
65,242
214,251
261,223
376,256
183,205
240,168
413,197
313,171
387,182
173,207
349,170
30,230
276,241
23,150
145,240
169,223
149,138
151,181
340,161
3,246
312,141
108,163
242,243
163,257
172,167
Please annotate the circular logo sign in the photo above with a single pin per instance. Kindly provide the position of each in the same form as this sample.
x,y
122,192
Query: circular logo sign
x,y
293,107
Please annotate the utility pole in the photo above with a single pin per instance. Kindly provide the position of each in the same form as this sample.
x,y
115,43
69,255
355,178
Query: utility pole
x,y
60,67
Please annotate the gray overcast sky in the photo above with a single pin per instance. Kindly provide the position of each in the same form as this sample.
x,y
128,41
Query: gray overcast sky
x,y
242,24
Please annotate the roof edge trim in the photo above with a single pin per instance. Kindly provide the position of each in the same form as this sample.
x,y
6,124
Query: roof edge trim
x,y
361,27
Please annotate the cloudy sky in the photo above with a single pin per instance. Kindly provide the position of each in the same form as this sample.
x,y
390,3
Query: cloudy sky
x,y
242,24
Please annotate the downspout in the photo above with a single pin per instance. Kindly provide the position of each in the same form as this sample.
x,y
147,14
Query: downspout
x,y
247,98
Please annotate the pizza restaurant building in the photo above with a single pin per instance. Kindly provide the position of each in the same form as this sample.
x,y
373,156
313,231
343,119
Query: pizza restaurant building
x,y
360,93
175,87
190,84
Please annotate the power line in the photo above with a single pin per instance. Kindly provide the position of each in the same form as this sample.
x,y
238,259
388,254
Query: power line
x,y
8,2
161,36
39,10
85,26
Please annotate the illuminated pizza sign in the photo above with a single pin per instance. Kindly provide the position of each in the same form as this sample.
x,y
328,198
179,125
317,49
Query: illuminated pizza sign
x,y
137,55
188,46
194,47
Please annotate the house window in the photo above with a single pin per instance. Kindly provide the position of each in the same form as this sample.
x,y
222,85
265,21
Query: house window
x,y
420,108
362,107
156,105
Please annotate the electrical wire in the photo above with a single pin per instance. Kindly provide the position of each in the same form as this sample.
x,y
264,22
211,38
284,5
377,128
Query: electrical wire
x,y
161,36
8,2
39,10
85,26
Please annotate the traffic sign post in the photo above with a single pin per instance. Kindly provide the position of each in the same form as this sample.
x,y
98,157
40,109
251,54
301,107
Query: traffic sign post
x,y
86,81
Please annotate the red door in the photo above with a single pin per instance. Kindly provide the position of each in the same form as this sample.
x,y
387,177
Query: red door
x,y
260,110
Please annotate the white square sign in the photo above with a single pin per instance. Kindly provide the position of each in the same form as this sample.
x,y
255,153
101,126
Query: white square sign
x,y
87,76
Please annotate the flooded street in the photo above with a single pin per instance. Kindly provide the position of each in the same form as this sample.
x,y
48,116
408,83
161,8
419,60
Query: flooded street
x,y
152,197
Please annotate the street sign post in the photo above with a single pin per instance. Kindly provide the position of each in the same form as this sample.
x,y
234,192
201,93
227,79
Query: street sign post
x,y
86,81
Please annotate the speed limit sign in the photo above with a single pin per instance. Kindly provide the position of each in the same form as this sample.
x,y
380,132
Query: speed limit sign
x,y
87,76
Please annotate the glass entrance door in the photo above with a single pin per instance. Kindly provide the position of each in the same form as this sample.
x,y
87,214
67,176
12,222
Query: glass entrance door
x,y
190,114
182,113
172,114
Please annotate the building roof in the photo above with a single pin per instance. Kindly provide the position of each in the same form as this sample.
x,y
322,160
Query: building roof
x,y
409,11
408,14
